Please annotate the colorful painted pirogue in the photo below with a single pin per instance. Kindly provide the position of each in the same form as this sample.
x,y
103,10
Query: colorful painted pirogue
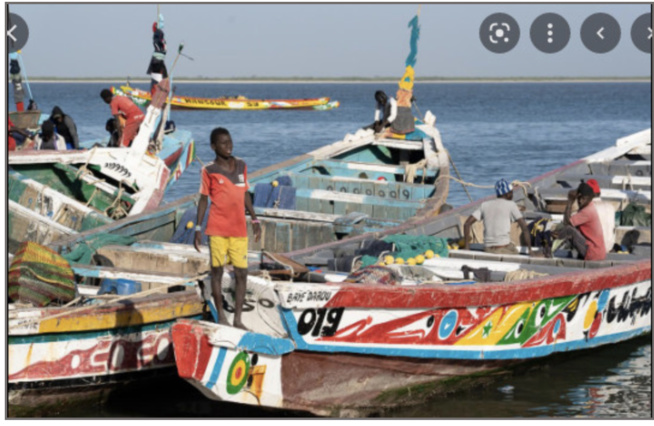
x,y
143,98
59,354
344,343
53,193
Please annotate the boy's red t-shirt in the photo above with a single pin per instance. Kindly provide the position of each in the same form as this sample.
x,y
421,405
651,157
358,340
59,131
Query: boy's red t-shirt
x,y
227,194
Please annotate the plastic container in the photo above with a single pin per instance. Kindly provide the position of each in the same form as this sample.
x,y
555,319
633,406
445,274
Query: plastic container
x,y
120,286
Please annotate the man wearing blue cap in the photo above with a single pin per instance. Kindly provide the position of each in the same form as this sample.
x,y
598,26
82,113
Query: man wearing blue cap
x,y
497,216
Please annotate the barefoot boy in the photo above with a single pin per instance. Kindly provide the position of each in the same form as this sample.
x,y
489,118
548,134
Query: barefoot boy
x,y
225,182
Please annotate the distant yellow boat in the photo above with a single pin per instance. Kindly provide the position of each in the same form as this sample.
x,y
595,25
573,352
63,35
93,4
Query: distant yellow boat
x,y
143,98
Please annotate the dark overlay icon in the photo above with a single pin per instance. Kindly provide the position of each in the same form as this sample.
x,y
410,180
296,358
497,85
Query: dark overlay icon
x,y
641,33
499,33
600,33
550,33
17,32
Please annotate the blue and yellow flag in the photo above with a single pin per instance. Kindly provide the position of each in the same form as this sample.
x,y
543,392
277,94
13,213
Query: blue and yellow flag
x,y
406,82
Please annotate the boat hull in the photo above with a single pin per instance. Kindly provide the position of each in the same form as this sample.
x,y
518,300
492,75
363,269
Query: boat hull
x,y
188,102
354,350
53,353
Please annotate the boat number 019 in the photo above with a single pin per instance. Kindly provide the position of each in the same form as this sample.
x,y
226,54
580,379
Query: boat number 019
x,y
312,320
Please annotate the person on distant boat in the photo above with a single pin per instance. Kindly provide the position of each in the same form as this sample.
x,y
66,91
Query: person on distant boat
x,y
157,68
582,229
224,181
385,112
48,139
65,127
122,107
497,216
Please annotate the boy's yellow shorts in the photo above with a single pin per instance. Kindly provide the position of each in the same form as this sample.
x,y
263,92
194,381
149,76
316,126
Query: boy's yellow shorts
x,y
232,250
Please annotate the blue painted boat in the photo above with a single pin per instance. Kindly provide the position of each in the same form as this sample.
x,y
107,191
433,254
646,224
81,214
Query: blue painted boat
x,y
365,182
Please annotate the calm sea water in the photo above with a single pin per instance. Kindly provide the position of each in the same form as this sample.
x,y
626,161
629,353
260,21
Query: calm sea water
x,y
492,130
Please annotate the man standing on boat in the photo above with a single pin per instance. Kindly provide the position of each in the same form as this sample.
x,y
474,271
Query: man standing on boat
x,y
497,216
157,68
122,107
225,182
583,229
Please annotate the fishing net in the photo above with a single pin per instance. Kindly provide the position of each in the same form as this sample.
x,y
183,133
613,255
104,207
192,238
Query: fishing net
x,y
39,276
378,275
635,215
84,251
409,246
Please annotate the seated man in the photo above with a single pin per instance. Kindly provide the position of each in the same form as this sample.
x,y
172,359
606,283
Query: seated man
x,y
385,112
48,139
582,229
497,216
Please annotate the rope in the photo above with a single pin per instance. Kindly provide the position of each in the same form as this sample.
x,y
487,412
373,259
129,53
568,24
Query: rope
x,y
267,253
84,169
118,299
118,211
410,170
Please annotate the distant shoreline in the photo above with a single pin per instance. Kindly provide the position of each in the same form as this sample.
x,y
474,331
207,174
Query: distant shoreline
x,y
109,80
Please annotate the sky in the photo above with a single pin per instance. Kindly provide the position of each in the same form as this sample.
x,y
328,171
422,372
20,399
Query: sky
x,y
313,40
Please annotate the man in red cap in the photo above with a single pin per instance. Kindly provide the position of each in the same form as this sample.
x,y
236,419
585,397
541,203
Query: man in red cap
x,y
595,186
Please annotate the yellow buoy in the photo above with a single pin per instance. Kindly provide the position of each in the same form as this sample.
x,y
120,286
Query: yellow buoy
x,y
389,260
274,183
189,224
411,261
420,259
399,261
429,254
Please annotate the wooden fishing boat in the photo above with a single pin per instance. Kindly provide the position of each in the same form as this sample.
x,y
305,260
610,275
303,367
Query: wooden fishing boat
x,y
143,98
362,183
81,351
61,192
346,342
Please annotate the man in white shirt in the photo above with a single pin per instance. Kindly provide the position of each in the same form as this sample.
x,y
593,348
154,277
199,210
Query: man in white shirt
x,y
497,216
385,113
48,139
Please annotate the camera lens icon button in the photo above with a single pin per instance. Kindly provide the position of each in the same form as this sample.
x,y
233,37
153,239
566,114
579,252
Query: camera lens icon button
x,y
550,33
499,33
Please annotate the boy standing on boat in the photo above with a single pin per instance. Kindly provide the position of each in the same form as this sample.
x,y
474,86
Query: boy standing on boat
x,y
583,229
497,216
225,182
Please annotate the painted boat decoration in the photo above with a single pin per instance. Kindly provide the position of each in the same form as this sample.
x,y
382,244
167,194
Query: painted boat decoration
x,y
53,193
343,343
143,98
